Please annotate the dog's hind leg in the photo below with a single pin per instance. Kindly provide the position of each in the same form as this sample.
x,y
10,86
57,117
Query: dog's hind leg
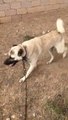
x,y
61,48
65,52
52,57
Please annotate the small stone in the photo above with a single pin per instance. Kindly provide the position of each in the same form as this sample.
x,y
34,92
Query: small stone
x,y
17,31
13,116
7,118
5,54
23,28
43,32
34,114
20,115
48,31
3,114
48,97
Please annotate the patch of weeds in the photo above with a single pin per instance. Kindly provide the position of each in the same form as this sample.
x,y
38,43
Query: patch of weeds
x,y
57,108
27,37
58,105
1,113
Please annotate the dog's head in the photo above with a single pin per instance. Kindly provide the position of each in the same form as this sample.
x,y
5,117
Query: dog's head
x,y
15,54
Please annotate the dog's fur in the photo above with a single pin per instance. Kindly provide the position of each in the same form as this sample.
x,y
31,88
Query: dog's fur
x,y
38,45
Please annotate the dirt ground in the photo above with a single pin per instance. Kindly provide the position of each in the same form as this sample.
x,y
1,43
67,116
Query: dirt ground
x,y
47,86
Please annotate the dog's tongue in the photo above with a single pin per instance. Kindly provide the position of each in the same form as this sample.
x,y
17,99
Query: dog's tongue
x,y
13,64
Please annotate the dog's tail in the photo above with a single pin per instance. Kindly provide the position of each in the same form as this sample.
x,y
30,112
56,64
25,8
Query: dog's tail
x,y
60,25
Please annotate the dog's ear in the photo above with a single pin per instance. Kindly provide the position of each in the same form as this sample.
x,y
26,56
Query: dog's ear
x,y
20,52
14,45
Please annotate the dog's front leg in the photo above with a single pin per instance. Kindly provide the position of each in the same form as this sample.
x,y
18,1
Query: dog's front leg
x,y
31,68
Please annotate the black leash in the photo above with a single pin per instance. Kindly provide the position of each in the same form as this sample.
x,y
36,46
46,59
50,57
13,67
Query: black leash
x,y
25,116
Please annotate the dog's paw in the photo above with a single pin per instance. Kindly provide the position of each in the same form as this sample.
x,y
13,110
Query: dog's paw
x,y
22,79
64,54
48,62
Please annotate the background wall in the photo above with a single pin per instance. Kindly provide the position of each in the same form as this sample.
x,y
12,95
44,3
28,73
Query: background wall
x,y
13,9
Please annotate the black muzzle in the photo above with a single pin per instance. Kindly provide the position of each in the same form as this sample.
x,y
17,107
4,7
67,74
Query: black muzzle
x,y
10,61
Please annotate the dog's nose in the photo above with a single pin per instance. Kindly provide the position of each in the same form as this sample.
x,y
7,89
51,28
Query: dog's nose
x,y
9,61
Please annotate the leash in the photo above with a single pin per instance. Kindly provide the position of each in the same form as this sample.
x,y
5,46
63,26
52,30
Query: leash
x,y
25,116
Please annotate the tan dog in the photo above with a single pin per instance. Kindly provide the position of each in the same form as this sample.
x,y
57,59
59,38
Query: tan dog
x,y
33,48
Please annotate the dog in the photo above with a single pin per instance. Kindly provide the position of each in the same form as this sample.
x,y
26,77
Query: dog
x,y
32,49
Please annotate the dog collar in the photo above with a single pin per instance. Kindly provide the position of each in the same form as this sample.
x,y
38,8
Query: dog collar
x,y
25,57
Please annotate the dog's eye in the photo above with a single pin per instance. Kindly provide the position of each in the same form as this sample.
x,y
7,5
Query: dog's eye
x,y
12,52
20,52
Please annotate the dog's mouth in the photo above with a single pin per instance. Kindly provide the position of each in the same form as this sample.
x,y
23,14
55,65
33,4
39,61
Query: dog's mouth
x,y
10,61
